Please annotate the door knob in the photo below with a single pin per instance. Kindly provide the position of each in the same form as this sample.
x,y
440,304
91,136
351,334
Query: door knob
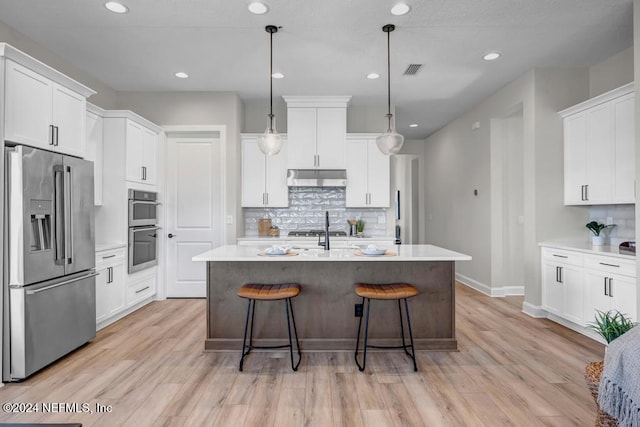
x,y
171,236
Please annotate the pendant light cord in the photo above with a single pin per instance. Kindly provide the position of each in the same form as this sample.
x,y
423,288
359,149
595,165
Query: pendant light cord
x,y
387,29
271,81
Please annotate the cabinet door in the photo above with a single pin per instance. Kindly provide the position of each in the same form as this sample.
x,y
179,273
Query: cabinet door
x,y
575,163
93,152
253,174
600,154
573,308
301,135
357,173
69,112
331,138
134,151
624,133
116,295
597,294
149,156
28,107
552,289
379,176
102,294
623,295
276,179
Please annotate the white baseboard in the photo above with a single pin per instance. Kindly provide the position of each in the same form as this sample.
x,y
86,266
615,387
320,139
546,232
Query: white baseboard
x,y
580,329
534,310
123,313
488,290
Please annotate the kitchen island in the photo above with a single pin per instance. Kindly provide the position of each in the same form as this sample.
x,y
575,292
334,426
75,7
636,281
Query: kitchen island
x,y
324,310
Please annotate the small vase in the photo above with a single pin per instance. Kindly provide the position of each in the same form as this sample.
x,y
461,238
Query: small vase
x,y
597,240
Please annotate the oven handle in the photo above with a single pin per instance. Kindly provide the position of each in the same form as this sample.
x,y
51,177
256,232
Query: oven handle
x,y
144,202
136,229
66,282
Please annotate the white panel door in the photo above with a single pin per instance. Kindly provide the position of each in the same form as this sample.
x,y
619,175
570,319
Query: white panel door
x,y
194,209
301,134
331,137
69,112
624,168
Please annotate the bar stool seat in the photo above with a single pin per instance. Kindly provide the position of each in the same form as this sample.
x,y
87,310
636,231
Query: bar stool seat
x,y
269,292
387,292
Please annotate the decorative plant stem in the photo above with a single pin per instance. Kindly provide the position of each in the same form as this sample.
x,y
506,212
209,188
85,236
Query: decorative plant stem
x,y
611,324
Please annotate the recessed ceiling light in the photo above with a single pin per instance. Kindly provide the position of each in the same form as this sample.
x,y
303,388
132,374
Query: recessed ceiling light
x,y
400,9
182,75
373,76
277,75
413,125
491,56
116,7
258,8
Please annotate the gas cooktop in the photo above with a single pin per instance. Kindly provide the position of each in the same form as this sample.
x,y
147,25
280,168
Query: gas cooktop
x,y
316,233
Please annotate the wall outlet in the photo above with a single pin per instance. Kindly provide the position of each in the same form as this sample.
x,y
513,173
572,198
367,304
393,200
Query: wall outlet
x,y
229,219
357,311
609,220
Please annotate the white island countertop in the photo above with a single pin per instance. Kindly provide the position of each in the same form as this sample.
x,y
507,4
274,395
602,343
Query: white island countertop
x,y
397,252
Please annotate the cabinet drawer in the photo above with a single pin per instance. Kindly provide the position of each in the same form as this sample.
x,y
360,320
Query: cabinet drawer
x,y
138,291
611,265
110,256
563,256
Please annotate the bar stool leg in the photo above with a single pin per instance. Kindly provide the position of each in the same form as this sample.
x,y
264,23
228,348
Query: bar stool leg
x,y
358,339
366,338
295,331
286,306
404,345
413,349
244,338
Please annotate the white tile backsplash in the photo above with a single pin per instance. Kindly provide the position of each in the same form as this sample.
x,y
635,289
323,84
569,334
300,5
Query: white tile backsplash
x,y
307,206
624,218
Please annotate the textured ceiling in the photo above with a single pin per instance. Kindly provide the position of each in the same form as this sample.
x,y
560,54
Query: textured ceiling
x,y
326,47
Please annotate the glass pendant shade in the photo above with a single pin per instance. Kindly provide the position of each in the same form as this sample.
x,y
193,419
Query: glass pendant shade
x,y
390,142
270,142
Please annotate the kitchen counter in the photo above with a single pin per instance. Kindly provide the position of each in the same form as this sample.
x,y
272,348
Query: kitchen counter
x,y
324,309
586,247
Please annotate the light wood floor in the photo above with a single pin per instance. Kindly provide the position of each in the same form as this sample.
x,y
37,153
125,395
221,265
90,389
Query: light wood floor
x,y
150,367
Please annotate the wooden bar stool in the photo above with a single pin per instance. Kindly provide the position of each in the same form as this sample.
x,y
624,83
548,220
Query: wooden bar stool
x,y
260,292
394,291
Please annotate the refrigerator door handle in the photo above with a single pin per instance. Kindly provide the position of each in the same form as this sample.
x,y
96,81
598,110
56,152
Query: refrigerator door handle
x,y
68,217
66,282
59,214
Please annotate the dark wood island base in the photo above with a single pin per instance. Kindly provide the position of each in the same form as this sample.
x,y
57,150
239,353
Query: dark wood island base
x,y
325,309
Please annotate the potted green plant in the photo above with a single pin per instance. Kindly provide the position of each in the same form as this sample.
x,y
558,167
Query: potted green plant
x,y
360,226
611,324
597,239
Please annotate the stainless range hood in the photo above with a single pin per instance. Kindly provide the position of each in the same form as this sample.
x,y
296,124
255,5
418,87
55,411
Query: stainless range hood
x,y
317,178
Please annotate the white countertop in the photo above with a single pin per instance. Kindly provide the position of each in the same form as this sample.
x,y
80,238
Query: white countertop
x,y
279,239
404,253
586,247
109,245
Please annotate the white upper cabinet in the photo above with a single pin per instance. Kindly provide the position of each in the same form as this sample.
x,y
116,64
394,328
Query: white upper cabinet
x,y
264,178
368,173
599,149
43,108
141,153
317,132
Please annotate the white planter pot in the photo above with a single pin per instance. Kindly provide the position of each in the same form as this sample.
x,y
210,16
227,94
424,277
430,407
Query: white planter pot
x,y
597,240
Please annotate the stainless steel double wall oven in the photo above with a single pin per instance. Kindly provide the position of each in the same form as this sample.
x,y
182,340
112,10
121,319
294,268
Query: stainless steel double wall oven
x,y
143,229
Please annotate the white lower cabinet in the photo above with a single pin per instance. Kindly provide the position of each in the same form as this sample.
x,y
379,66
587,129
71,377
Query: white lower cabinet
x,y
577,283
110,283
141,286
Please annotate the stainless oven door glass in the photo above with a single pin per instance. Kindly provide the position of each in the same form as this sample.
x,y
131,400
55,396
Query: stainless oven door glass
x,y
142,213
143,248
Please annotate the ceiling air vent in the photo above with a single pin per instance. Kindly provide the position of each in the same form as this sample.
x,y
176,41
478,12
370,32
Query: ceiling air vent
x,y
412,69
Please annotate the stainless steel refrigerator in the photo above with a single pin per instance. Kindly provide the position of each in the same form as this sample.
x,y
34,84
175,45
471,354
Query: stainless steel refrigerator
x,y
49,277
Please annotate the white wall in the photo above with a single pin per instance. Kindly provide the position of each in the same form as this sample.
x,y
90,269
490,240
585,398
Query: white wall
x,y
105,96
636,50
199,109
611,73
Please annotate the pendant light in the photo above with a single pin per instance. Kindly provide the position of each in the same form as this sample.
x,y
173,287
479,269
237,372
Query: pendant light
x,y
389,142
271,141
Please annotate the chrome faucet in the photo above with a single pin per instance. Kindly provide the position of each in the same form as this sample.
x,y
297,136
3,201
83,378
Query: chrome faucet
x,y
326,233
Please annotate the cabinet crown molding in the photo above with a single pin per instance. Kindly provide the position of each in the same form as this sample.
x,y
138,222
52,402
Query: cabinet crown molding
x,y
316,101
9,52
596,100
128,114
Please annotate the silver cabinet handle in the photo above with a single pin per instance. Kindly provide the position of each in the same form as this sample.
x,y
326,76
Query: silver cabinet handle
x,y
609,265
586,192
109,256
55,133
605,287
51,133
143,289
611,287
560,256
